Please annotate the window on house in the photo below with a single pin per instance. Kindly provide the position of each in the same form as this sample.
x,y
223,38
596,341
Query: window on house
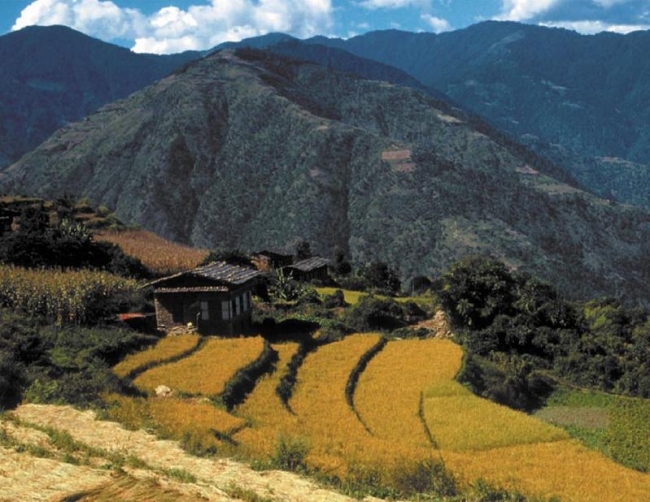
x,y
205,311
225,310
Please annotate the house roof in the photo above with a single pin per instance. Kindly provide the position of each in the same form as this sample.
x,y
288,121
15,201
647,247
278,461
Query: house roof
x,y
221,271
275,251
310,264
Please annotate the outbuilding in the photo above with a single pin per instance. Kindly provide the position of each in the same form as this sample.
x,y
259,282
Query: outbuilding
x,y
310,269
216,298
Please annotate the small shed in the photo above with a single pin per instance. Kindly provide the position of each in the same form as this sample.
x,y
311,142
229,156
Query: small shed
x,y
216,298
272,259
310,269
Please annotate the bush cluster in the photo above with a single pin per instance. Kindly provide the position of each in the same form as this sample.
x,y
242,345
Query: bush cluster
x,y
50,364
517,329
38,243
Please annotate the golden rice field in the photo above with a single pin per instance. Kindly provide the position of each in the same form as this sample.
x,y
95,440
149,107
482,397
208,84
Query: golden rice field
x,y
206,371
398,374
407,383
190,420
157,254
166,348
268,417
338,440
564,469
485,425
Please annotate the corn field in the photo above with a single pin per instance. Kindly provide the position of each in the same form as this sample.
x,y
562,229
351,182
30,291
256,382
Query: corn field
x,y
64,297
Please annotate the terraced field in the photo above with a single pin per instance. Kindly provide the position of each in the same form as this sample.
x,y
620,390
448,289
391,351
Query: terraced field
x,y
362,405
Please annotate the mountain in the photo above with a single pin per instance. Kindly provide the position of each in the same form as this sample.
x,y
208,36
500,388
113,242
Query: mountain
x,y
50,76
331,57
582,101
250,149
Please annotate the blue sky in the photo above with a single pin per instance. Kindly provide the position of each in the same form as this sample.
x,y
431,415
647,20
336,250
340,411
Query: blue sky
x,y
167,26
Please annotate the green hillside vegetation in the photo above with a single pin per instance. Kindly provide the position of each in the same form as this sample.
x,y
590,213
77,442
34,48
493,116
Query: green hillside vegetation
x,y
574,98
522,338
378,171
54,75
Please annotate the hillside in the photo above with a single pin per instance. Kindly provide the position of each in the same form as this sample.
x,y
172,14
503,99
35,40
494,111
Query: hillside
x,y
50,76
249,149
357,444
579,99
65,454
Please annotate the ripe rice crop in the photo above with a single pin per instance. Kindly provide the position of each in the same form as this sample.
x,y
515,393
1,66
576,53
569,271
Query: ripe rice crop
x,y
65,297
166,348
157,254
564,469
264,410
206,371
484,425
338,440
195,422
398,375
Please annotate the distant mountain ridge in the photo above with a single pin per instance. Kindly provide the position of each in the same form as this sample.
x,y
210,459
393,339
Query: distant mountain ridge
x,y
583,101
252,149
50,76
579,100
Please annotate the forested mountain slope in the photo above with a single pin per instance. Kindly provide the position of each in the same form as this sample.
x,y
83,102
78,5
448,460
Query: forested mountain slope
x,y
582,100
50,76
249,149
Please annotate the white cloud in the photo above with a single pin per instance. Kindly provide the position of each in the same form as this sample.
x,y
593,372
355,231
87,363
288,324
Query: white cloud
x,y
393,4
523,10
94,17
173,30
584,16
437,24
593,27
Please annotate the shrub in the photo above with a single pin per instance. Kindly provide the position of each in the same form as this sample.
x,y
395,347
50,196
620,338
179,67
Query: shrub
x,y
290,454
371,314
380,278
425,477
335,300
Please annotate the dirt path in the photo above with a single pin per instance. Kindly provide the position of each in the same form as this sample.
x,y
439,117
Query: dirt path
x,y
25,477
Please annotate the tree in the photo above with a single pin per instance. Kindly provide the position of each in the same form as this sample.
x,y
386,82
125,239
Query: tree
x,y
67,244
341,264
380,277
231,256
303,251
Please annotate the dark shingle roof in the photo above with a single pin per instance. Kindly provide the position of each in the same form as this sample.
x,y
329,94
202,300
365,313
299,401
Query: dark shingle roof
x,y
310,264
218,271
225,272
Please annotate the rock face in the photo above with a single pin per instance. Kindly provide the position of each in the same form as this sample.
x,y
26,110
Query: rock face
x,y
252,150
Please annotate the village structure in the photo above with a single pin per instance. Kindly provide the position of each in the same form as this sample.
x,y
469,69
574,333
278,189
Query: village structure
x,y
216,298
